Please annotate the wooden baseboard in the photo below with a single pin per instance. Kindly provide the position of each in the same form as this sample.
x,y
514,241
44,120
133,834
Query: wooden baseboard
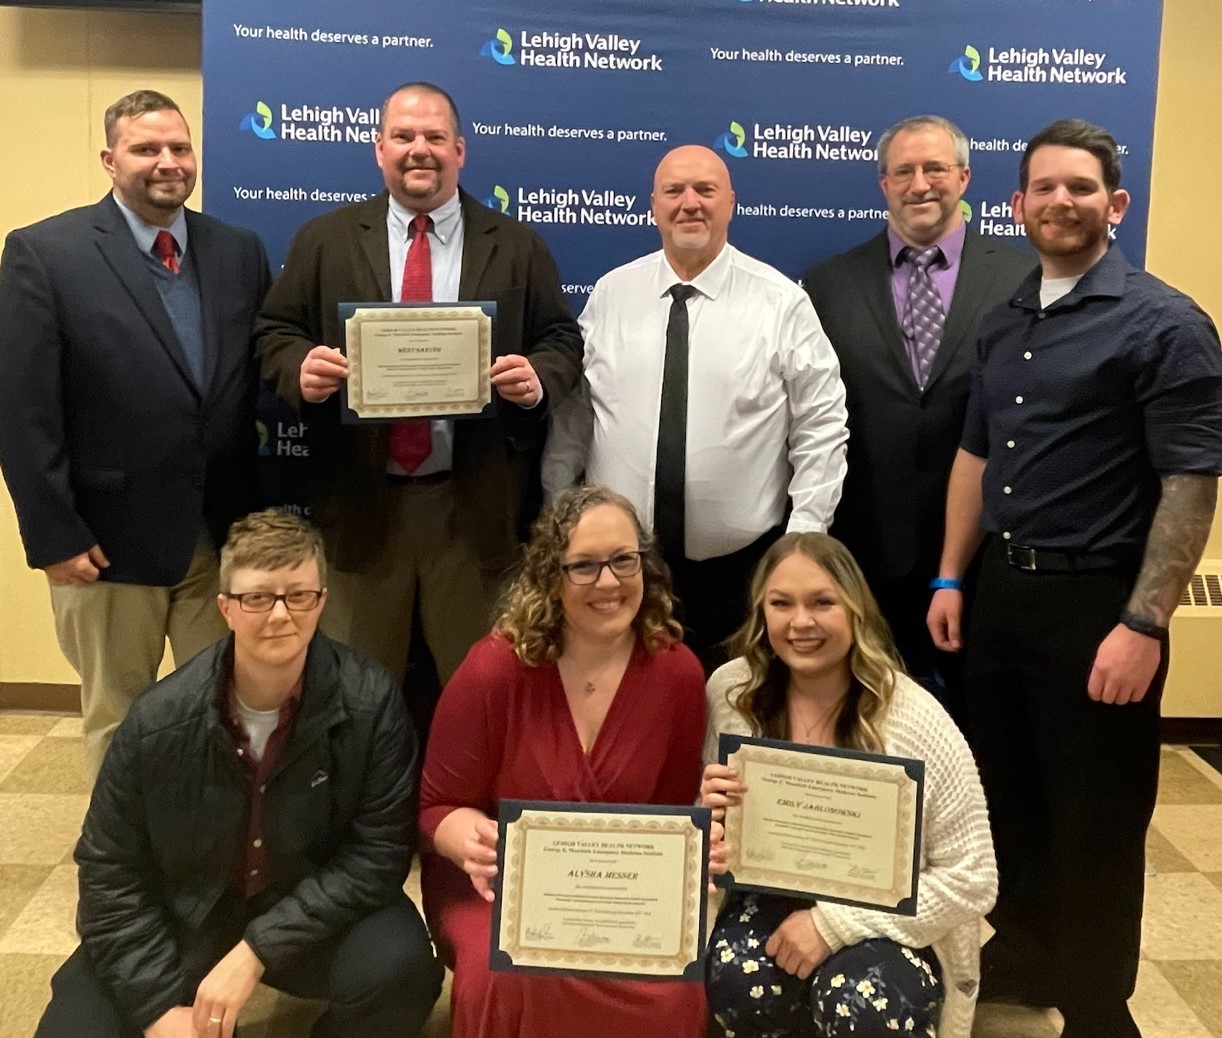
x,y
34,695
66,699
1191,729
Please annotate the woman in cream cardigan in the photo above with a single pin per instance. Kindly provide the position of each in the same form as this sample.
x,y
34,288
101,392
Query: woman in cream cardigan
x,y
816,665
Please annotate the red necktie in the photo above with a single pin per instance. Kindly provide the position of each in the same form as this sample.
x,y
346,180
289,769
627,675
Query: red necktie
x,y
167,250
411,440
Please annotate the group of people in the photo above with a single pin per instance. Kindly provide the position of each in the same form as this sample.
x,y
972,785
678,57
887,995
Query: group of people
x,y
256,814
1017,456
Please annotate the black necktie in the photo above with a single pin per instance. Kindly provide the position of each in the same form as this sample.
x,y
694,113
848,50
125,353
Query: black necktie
x,y
670,472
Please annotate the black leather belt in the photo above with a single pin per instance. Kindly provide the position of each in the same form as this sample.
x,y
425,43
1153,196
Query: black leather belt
x,y
397,480
1041,560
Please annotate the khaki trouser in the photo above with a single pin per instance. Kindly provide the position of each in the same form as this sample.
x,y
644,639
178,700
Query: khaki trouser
x,y
114,636
422,561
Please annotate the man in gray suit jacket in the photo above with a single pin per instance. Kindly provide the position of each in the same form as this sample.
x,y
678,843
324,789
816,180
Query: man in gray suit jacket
x,y
905,333
127,427
422,516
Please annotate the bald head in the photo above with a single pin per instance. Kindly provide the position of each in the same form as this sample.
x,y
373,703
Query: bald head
x,y
693,203
688,158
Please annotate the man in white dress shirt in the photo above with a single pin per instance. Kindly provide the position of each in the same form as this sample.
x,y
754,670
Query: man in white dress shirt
x,y
713,400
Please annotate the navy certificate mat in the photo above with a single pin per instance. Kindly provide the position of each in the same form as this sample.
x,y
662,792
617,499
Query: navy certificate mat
x,y
914,769
347,416
511,811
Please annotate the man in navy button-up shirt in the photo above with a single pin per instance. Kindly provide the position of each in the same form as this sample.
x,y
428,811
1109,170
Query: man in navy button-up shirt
x,y
1090,457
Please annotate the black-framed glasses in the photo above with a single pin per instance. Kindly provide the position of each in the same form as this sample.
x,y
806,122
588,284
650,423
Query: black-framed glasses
x,y
934,172
265,601
587,571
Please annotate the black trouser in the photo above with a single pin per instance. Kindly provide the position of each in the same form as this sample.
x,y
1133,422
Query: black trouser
x,y
380,977
904,602
712,596
1071,786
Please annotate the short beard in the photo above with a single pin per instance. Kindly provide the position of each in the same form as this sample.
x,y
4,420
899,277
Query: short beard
x,y
692,243
1087,238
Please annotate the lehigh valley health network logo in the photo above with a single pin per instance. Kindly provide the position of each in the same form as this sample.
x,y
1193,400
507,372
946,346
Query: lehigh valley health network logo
x,y
498,200
259,122
966,209
968,64
499,49
731,142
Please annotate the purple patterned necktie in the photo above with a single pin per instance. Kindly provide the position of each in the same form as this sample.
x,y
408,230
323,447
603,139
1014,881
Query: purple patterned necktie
x,y
924,317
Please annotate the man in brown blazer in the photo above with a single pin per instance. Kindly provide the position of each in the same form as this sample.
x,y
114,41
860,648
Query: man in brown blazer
x,y
422,515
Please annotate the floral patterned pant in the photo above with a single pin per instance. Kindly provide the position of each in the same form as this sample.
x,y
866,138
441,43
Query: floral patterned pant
x,y
875,988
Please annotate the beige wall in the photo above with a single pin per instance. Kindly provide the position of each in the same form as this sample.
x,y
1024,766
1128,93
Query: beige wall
x,y
59,71
1187,146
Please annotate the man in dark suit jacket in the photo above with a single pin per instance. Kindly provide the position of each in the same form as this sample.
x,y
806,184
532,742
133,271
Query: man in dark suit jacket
x,y
433,531
127,408
906,412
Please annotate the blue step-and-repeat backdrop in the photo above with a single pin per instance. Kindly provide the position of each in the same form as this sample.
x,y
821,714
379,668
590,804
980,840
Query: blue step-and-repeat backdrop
x,y
567,108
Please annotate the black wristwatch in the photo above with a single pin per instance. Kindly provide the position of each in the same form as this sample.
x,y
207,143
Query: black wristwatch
x,y
1143,626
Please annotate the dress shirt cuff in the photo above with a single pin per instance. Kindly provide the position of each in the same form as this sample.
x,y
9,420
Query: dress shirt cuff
x,y
799,523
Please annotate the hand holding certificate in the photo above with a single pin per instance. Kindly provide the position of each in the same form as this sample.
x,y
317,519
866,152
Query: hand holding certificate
x,y
831,824
601,888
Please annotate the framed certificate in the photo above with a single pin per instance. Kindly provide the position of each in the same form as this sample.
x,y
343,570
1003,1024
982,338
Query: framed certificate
x,y
602,889
416,360
829,824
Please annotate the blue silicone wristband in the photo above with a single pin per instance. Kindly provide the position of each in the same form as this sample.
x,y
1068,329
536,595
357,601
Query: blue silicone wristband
x,y
945,584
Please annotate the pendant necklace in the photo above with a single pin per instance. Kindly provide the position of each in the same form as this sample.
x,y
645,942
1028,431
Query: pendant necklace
x,y
819,722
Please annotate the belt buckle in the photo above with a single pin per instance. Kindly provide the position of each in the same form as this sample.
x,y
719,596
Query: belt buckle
x,y
1021,557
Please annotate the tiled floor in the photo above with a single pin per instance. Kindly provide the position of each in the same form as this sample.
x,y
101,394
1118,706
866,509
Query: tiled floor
x,y
43,796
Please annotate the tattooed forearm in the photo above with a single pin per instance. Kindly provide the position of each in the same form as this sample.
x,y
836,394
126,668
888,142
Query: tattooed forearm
x,y
1177,539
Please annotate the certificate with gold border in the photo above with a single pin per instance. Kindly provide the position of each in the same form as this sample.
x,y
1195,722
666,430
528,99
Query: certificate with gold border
x,y
613,890
824,823
417,360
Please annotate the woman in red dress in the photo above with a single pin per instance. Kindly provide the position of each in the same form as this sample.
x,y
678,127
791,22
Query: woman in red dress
x,y
583,692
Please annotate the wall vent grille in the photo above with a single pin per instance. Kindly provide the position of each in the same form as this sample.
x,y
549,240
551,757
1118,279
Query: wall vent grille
x,y
1204,589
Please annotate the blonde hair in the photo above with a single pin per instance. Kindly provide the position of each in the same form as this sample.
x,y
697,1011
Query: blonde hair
x,y
531,612
873,661
268,540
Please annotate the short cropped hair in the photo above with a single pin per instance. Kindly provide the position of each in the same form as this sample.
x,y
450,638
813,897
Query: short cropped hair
x,y
918,122
1076,133
421,87
139,102
269,540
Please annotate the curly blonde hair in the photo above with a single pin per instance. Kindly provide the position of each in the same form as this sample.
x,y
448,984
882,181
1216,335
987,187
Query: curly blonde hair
x,y
873,661
531,615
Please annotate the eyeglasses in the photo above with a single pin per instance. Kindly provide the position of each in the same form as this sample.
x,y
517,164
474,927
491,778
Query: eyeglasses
x,y
934,172
265,601
587,571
